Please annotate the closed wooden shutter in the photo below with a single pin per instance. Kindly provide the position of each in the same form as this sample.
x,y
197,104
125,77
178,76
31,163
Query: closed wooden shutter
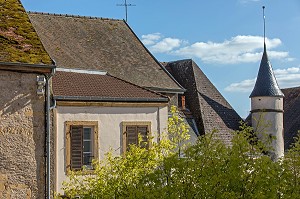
x,y
132,133
131,136
143,131
76,147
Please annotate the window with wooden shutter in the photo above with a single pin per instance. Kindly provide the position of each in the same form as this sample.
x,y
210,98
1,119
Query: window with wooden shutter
x,y
131,132
81,144
76,147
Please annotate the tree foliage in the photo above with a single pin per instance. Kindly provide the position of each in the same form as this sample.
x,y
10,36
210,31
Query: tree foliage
x,y
208,169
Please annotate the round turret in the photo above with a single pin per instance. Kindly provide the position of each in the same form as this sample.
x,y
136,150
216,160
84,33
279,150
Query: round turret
x,y
267,109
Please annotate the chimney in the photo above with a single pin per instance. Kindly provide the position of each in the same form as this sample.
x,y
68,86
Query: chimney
x,y
183,102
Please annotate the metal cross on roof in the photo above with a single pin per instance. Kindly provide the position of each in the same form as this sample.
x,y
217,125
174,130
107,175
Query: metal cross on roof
x,y
126,6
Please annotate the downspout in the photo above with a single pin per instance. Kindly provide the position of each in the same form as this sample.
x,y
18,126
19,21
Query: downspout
x,y
158,125
48,137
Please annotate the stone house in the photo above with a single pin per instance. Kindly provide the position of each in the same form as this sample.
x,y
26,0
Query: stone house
x,y
89,119
22,130
22,105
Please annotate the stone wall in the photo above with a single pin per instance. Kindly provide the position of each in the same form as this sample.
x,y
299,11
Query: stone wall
x,y
22,137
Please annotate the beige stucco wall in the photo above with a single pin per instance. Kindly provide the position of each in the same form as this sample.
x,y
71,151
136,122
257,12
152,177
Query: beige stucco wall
x,y
110,128
22,137
269,122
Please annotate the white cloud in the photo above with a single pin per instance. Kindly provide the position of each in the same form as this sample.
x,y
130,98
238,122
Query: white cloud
x,y
289,77
166,45
286,78
243,86
150,39
238,49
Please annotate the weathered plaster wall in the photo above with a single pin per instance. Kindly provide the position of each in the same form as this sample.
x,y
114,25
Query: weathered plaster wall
x,y
269,121
22,137
109,128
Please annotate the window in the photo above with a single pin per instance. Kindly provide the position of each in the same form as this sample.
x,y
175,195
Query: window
x,y
82,144
131,130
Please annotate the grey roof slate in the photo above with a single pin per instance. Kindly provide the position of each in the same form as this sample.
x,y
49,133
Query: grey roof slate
x,y
209,108
266,84
101,44
291,115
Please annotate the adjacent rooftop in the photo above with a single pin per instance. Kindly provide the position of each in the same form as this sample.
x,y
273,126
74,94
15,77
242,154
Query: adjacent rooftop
x,y
101,44
99,86
18,39
209,108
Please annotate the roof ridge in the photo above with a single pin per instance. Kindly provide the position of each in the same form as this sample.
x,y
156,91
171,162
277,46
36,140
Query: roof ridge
x,y
180,60
154,58
71,15
83,71
294,87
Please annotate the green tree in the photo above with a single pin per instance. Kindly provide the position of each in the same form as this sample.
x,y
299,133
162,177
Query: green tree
x,y
207,169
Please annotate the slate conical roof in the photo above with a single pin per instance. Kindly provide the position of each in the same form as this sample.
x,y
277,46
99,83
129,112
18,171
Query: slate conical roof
x,y
266,84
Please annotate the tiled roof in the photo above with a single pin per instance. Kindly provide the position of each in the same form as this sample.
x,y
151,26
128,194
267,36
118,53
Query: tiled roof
x,y
18,39
83,86
266,84
291,115
209,108
101,44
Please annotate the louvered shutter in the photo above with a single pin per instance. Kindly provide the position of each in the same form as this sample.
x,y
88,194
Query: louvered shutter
x,y
76,147
143,131
131,136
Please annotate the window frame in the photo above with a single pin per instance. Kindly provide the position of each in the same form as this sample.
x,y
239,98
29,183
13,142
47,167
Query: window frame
x,y
90,124
135,123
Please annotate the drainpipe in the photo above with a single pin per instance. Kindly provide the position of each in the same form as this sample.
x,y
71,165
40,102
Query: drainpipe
x,y
158,125
48,137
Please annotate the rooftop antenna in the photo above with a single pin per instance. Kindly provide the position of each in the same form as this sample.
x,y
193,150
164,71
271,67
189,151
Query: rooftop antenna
x,y
126,7
264,17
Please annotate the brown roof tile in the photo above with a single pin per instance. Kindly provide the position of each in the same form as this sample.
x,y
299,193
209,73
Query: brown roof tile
x,y
100,44
96,87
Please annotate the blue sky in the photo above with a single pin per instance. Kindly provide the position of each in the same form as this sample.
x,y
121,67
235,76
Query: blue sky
x,y
223,37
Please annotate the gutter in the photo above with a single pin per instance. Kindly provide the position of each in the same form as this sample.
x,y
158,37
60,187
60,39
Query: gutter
x,y
108,99
167,90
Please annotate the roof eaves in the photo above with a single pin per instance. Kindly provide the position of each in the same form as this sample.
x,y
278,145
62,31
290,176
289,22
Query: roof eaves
x,y
166,90
108,99
25,67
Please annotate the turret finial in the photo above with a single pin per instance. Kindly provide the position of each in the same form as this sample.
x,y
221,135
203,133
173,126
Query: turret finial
x,y
264,17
